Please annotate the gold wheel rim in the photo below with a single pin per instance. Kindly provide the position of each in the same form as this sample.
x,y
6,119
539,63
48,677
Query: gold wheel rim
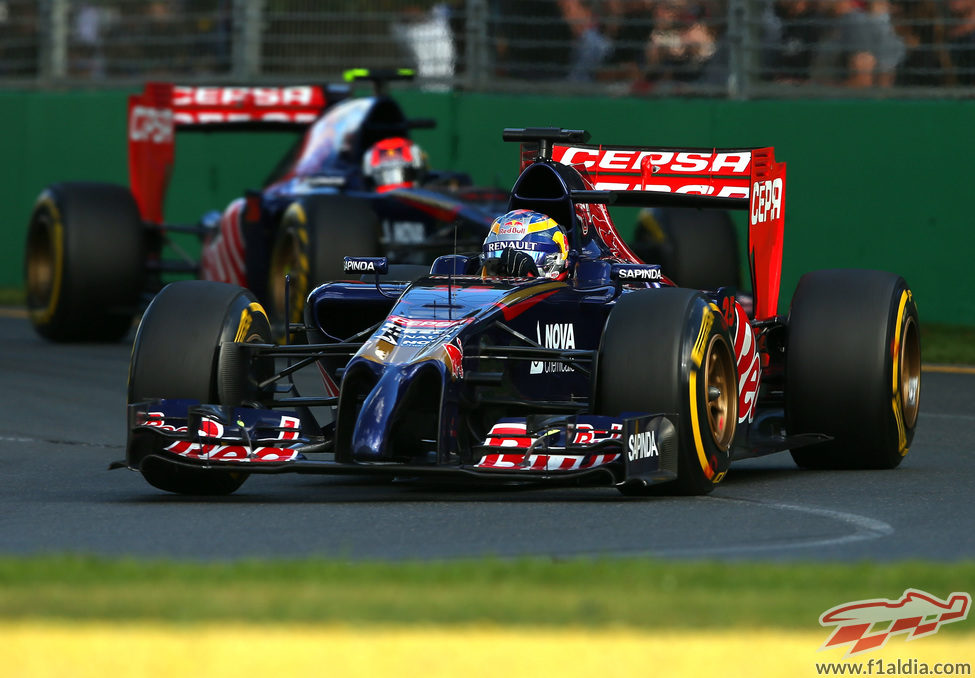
x,y
910,372
285,260
721,392
40,264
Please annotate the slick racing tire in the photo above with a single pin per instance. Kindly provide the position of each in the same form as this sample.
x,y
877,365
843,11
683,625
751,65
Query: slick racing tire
x,y
177,354
853,368
313,239
85,262
697,249
665,351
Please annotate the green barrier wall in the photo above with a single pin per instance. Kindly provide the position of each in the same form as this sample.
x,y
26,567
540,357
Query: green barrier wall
x,y
873,184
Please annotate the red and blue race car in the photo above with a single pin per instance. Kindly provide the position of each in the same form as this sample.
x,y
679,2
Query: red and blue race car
x,y
494,368
353,181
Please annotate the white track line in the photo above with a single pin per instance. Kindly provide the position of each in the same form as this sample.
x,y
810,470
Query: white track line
x,y
864,529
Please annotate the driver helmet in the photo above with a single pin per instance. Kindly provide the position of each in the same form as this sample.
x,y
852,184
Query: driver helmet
x,y
393,163
537,235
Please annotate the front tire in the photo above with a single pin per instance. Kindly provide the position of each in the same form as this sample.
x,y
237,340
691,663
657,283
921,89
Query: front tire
x,y
853,368
85,262
669,351
177,354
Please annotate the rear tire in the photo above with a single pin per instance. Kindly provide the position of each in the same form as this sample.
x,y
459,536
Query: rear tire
x,y
177,354
853,368
661,351
313,239
697,249
85,262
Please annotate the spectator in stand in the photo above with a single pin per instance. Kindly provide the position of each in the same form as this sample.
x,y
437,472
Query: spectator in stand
x,y
428,36
789,60
532,39
888,47
921,27
19,38
845,54
628,25
548,39
680,43
211,29
716,73
87,27
165,21
961,40
590,48
520,53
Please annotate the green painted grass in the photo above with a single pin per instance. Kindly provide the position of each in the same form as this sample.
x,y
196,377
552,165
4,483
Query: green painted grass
x,y
12,296
628,593
948,344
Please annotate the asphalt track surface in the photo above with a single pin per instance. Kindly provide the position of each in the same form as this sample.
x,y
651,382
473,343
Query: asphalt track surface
x,y
62,423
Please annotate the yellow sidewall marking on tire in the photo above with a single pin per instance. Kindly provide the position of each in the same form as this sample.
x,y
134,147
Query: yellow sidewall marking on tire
x,y
697,356
297,212
247,319
301,281
707,320
696,428
895,362
44,316
300,278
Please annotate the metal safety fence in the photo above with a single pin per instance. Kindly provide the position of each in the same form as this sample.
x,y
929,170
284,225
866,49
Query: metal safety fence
x,y
725,48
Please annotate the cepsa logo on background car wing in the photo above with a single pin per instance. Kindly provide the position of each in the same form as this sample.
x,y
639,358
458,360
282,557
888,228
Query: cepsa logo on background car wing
x,y
203,105
154,125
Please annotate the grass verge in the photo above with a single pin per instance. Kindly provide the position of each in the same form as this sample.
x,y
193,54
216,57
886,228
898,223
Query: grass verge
x,y
948,344
639,593
12,296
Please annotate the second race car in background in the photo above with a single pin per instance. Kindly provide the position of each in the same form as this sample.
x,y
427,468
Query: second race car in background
x,y
95,250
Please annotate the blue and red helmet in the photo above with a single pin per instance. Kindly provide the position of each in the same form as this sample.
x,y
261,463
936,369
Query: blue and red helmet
x,y
535,234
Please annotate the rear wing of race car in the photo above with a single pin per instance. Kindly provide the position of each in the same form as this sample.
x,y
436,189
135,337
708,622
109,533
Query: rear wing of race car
x,y
162,109
644,176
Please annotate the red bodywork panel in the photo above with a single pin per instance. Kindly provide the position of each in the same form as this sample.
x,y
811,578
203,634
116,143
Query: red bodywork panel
x,y
162,109
766,229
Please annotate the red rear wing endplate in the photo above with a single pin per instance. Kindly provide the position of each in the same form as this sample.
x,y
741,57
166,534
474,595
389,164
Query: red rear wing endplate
x,y
766,228
163,108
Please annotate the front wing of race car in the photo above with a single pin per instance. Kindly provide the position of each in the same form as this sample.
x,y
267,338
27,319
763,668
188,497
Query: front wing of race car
x,y
637,450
